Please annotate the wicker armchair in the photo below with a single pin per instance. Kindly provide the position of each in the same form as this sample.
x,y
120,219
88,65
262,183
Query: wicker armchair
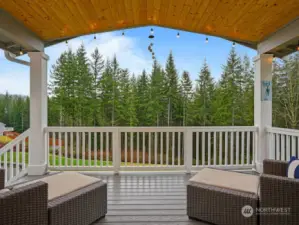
x,y
25,205
278,191
29,204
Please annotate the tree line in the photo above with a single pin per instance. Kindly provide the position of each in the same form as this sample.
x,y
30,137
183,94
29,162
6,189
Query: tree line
x,y
91,91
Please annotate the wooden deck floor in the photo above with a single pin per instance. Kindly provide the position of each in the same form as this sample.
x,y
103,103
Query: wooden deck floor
x,y
147,200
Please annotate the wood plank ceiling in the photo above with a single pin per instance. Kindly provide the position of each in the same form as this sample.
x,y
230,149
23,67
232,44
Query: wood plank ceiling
x,y
247,21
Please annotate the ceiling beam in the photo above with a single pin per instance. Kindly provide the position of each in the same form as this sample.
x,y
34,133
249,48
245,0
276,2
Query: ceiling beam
x,y
16,32
281,37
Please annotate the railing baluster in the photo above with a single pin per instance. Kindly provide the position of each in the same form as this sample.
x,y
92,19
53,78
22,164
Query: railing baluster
x,y
131,147
83,148
5,167
203,148
65,149
59,148
231,148
226,149
101,148
156,152
143,148
167,147
89,148
17,158
220,148
179,148
215,145
237,148
242,148
149,147
197,147
23,154
173,146
54,149
77,147
138,149
11,166
282,147
294,146
107,148
278,146
126,148
161,148
209,148
288,150
95,148
72,148
248,148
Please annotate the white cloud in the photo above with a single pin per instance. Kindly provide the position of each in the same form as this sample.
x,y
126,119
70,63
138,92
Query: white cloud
x,y
128,53
14,78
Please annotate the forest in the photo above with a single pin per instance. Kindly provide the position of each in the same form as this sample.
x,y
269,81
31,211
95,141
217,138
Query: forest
x,y
88,90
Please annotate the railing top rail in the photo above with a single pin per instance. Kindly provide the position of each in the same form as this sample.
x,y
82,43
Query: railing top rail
x,y
286,131
151,129
11,144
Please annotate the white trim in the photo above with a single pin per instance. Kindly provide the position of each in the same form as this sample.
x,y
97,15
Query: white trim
x,y
280,37
18,33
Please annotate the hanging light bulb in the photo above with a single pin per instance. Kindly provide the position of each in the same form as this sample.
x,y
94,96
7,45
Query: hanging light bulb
x,y
66,41
123,34
234,44
152,31
94,37
21,52
207,39
178,35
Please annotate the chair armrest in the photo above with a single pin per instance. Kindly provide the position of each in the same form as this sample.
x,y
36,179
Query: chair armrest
x,y
2,178
25,205
275,167
279,192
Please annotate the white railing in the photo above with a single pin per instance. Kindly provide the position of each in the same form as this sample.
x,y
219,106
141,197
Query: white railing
x,y
150,148
282,143
14,158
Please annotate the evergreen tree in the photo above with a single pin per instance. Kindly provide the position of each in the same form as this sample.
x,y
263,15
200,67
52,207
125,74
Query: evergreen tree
x,y
204,94
186,90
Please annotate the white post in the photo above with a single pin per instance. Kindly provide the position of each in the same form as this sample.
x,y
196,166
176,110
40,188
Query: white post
x,y
262,105
188,150
38,113
116,150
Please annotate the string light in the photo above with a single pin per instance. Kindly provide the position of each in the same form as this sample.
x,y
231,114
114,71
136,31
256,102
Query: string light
x,y
207,39
178,35
66,41
123,34
152,31
234,44
21,52
95,37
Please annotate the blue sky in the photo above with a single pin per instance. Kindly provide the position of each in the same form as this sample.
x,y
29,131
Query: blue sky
x,y
189,52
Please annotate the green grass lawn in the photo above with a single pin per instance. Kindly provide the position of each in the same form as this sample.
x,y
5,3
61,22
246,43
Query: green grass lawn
x,y
64,160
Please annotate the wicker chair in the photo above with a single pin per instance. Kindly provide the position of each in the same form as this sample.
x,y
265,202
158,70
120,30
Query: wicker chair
x,y
29,205
278,191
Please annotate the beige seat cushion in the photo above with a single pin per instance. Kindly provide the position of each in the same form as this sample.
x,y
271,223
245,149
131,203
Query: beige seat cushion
x,y
4,190
63,183
225,179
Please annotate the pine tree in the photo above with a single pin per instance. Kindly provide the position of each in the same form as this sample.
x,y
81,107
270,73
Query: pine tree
x,y
204,94
172,91
96,67
186,90
143,99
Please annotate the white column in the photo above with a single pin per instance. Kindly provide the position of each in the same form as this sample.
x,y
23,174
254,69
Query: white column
x,y
38,113
262,105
